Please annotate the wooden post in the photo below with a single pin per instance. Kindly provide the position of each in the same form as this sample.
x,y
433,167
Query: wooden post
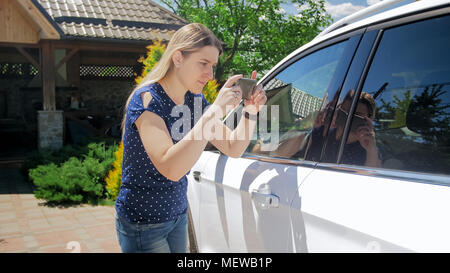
x,y
50,121
48,75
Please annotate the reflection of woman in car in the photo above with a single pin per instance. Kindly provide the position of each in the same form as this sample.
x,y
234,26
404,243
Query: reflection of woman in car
x,y
360,148
362,134
152,202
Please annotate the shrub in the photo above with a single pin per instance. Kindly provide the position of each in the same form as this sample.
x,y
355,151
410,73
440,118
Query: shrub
x,y
154,54
76,180
210,91
47,156
114,178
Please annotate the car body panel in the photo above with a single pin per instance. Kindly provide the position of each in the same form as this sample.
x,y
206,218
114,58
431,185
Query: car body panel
x,y
382,209
231,219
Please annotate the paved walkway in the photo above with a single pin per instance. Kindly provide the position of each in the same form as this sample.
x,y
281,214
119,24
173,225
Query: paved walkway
x,y
28,225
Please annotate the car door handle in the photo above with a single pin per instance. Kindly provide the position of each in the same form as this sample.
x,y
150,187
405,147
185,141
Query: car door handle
x,y
197,175
265,200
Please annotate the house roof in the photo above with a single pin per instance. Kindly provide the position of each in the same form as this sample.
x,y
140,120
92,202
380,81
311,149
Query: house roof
x,y
110,19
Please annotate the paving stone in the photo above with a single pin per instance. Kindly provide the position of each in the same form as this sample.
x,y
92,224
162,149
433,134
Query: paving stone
x,y
29,225
7,215
14,244
48,239
6,206
9,229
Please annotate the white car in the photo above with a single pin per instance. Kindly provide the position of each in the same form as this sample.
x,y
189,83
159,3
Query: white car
x,y
384,189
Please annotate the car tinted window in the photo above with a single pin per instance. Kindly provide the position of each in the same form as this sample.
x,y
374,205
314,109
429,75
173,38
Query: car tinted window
x,y
406,96
297,93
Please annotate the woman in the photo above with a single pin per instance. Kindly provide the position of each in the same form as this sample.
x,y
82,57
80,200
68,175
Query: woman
x,y
151,206
360,148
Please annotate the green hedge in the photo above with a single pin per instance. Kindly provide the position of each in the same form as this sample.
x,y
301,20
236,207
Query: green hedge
x,y
72,174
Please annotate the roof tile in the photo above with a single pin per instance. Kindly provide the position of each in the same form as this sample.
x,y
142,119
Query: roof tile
x,y
65,13
103,4
122,10
72,7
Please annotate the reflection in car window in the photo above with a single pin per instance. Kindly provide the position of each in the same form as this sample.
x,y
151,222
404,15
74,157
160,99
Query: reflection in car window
x,y
298,93
360,147
409,79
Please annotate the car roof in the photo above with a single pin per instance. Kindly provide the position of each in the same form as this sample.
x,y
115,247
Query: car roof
x,y
381,17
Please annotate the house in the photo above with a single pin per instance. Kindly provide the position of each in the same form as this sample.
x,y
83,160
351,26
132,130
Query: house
x,y
64,60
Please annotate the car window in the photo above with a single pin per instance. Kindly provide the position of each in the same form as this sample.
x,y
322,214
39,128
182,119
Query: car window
x,y
403,111
295,97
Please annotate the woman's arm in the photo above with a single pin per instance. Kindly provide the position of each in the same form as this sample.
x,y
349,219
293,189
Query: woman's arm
x,y
234,143
173,160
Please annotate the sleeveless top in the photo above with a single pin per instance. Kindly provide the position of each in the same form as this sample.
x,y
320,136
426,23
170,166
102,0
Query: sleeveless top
x,y
146,196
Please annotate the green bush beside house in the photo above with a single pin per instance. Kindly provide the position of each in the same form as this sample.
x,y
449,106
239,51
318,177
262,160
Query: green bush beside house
x,y
78,179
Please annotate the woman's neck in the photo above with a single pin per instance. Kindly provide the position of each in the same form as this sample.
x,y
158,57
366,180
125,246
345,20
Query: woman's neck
x,y
174,88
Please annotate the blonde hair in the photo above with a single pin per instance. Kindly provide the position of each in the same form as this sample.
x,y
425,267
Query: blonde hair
x,y
187,39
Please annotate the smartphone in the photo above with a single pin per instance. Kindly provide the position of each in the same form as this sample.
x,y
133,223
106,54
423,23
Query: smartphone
x,y
247,87
356,121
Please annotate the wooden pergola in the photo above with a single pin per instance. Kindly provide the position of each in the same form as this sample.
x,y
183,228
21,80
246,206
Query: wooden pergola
x,y
39,28
25,27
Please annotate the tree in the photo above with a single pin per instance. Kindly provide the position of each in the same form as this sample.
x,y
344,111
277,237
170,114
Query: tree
x,y
430,116
398,111
256,33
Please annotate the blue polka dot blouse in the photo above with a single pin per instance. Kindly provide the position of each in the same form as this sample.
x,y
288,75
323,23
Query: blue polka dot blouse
x,y
146,196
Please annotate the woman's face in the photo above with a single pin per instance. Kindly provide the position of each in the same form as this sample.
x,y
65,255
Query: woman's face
x,y
196,68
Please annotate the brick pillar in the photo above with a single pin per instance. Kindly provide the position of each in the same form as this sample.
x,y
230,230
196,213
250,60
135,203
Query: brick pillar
x,y
50,129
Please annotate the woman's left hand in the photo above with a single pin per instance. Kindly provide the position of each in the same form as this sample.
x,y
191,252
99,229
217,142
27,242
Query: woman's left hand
x,y
253,104
366,136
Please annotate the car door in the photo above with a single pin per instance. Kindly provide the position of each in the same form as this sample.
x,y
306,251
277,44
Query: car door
x,y
245,203
399,200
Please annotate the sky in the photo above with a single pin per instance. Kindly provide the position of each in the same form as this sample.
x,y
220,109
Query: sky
x,y
338,9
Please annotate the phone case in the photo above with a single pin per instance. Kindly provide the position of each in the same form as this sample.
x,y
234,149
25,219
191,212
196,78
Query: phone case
x,y
247,87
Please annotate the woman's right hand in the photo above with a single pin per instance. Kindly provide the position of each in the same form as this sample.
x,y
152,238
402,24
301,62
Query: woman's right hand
x,y
229,95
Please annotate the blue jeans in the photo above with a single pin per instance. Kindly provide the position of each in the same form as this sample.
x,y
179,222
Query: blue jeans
x,y
166,237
